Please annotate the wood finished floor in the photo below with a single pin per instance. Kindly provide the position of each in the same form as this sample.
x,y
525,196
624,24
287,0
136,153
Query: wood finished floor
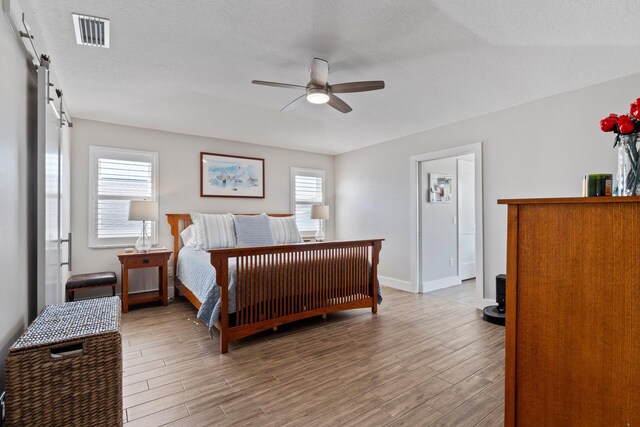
x,y
423,360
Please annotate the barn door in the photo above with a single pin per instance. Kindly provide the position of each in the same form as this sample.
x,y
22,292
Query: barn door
x,y
52,194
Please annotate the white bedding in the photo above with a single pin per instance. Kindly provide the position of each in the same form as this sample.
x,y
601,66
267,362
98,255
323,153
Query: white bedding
x,y
196,272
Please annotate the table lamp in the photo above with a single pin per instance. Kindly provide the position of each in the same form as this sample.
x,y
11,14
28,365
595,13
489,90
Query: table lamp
x,y
320,212
143,210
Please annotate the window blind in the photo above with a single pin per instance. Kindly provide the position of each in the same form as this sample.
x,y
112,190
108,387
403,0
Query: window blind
x,y
120,181
308,190
119,177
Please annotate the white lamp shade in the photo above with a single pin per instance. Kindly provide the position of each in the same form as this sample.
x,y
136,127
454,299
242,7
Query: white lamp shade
x,y
320,212
143,210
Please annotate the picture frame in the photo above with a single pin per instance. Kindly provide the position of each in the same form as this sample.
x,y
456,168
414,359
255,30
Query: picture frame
x,y
224,175
440,188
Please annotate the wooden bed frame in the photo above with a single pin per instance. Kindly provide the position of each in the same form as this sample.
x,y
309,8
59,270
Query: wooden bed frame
x,y
284,283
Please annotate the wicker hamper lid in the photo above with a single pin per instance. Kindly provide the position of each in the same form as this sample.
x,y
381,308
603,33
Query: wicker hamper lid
x,y
71,320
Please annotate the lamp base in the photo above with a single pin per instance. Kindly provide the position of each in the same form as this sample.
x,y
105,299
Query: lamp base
x,y
320,233
143,244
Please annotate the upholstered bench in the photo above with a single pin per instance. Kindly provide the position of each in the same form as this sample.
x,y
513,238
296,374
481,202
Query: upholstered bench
x,y
91,280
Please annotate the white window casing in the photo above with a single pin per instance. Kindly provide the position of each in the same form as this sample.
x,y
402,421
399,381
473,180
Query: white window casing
x,y
117,176
307,189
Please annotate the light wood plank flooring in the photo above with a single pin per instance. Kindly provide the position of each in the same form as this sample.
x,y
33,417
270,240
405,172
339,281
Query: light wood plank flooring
x,y
422,360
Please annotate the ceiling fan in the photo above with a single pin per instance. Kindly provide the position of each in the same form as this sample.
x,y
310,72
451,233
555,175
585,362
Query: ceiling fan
x,y
319,91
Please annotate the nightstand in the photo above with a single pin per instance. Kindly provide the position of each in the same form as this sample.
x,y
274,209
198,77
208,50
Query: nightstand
x,y
133,260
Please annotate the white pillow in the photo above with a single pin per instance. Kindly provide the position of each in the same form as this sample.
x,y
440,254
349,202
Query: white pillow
x,y
189,236
285,230
214,231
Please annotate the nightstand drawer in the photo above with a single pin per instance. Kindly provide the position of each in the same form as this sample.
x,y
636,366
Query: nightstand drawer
x,y
150,260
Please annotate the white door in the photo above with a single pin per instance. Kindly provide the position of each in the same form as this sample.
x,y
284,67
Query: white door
x,y
52,208
466,220
65,206
53,194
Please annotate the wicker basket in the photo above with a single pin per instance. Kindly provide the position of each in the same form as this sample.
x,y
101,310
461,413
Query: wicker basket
x,y
66,369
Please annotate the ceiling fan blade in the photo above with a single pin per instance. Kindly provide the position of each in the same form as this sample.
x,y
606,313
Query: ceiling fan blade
x,y
357,86
295,103
276,84
338,104
319,72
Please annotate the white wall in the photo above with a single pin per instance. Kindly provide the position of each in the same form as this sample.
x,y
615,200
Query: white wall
x,y
178,182
16,85
439,233
539,149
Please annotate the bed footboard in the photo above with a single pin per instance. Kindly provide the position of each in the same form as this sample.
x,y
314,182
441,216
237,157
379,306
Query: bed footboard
x,y
284,283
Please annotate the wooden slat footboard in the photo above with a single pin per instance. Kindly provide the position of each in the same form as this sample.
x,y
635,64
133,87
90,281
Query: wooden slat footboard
x,y
284,283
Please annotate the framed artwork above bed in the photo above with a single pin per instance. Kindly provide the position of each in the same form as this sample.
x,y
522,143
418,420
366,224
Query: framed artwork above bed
x,y
222,175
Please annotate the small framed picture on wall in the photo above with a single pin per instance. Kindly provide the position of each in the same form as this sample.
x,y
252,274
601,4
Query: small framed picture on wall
x,y
223,175
440,188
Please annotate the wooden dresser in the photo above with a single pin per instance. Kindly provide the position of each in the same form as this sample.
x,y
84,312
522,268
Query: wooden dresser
x,y
573,312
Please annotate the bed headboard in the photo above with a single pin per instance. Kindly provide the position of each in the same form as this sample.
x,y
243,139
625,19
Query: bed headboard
x,y
179,222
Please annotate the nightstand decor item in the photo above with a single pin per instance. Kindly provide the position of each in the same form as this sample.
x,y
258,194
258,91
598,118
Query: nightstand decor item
x,y
66,369
143,210
626,127
320,212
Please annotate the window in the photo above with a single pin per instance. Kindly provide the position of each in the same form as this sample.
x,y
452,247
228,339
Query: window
x,y
307,189
117,176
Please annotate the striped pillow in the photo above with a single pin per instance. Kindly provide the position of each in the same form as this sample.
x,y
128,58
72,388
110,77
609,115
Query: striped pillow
x,y
285,230
253,230
214,231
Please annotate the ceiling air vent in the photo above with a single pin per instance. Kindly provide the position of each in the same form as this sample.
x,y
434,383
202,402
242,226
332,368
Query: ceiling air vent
x,y
91,30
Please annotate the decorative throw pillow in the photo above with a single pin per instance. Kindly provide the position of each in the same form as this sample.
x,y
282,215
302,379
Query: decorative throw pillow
x,y
285,230
189,236
253,230
214,231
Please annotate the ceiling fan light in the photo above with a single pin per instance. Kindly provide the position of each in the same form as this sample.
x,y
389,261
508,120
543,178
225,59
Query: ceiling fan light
x,y
317,96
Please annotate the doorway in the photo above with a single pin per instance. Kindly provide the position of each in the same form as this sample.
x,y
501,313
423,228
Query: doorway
x,y
446,222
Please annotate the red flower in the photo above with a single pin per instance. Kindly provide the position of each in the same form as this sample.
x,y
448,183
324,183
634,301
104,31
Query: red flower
x,y
608,123
635,109
625,125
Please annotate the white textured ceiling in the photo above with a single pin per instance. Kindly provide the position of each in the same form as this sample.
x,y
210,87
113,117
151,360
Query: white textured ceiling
x,y
186,66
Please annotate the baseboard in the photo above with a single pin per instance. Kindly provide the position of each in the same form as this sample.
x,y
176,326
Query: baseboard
x,y
434,285
397,284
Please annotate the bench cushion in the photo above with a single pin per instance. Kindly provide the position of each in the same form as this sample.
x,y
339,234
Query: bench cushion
x,y
79,281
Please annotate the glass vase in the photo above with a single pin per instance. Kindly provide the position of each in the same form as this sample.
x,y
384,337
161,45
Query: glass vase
x,y
143,244
628,176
